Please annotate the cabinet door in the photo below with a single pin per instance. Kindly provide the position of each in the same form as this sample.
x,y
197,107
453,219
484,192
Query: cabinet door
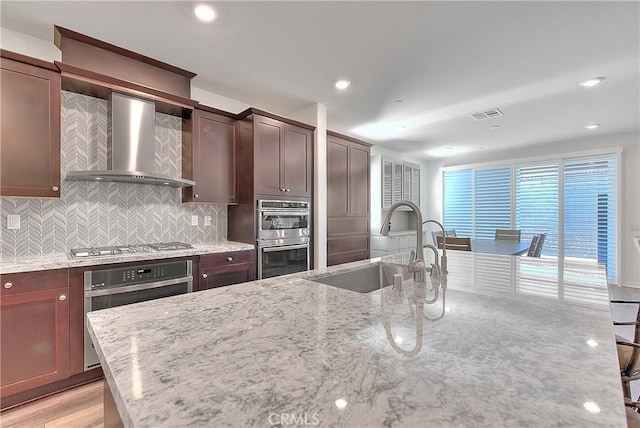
x,y
397,182
387,183
226,275
406,183
337,178
359,181
30,116
34,339
296,161
268,136
415,186
214,159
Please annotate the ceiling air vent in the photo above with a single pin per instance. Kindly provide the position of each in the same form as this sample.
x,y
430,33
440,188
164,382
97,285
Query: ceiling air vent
x,y
487,114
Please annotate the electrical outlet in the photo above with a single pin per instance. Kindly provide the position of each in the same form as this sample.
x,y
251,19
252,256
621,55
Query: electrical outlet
x,y
194,220
207,220
13,221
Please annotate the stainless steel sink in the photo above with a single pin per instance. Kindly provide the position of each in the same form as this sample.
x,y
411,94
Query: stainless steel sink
x,y
364,280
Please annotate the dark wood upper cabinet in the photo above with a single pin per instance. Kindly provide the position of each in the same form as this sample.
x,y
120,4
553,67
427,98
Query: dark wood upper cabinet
x,y
283,158
210,158
34,330
348,199
30,115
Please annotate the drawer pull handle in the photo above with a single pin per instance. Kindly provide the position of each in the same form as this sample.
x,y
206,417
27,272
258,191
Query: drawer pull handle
x,y
229,259
8,284
62,297
204,275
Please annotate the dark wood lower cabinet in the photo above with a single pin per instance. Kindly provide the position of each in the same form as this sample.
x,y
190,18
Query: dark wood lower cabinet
x,y
34,330
218,270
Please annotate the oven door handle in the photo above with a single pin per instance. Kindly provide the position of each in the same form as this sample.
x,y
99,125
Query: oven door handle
x,y
284,248
284,213
138,287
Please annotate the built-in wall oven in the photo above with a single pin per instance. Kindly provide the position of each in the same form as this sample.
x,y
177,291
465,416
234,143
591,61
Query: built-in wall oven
x,y
109,288
283,237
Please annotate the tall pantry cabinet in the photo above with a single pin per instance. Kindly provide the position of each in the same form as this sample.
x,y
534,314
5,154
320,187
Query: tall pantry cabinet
x,y
348,190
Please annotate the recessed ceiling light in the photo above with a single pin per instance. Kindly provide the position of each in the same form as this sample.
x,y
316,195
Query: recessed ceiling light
x,y
205,13
592,82
398,101
592,126
495,127
342,84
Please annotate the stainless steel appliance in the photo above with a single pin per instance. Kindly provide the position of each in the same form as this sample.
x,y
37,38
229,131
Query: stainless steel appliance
x,y
109,288
130,146
127,249
283,237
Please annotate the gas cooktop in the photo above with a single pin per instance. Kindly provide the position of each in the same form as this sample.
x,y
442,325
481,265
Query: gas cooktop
x,y
127,249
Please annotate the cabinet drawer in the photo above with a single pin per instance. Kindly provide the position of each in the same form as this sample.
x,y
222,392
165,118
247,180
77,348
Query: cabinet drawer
x,y
27,282
350,225
221,259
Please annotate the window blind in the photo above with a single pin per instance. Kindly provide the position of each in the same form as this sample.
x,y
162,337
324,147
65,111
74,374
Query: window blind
x,y
537,203
590,210
492,201
458,201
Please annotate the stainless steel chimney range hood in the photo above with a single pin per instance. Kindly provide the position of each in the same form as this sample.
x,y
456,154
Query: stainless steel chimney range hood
x,y
130,146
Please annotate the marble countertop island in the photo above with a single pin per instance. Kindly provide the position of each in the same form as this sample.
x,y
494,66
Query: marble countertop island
x,y
499,351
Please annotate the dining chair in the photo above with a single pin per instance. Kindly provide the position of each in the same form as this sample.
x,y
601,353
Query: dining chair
x,y
628,351
512,235
455,243
435,234
532,247
539,244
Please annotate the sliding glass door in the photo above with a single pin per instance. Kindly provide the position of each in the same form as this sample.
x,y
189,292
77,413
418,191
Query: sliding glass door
x,y
571,200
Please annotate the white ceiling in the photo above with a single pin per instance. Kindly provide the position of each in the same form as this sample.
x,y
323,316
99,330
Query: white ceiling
x,y
444,60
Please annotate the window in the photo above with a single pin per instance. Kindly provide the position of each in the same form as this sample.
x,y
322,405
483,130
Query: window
x,y
492,197
572,200
458,201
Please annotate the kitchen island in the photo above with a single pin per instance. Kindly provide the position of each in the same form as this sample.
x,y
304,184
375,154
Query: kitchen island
x,y
291,351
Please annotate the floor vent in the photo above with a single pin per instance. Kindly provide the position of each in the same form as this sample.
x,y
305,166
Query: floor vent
x,y
487,114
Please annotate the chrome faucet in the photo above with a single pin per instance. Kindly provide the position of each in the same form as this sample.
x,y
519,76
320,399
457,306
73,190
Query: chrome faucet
x,y
435,267
443,260
416,259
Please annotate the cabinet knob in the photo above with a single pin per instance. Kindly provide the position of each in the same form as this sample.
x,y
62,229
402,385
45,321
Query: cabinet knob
x,y
288,190
55,188
204,275
283,190
195,195
229,259
8,284
62,297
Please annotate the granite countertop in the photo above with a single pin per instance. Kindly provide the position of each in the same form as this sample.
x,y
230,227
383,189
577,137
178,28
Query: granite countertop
x,y
287,349
63,260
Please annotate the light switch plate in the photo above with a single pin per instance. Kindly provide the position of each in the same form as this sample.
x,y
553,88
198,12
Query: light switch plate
x,y
207,220
13,221
194,220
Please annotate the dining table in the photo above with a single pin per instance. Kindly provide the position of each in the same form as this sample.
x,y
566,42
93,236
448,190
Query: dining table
x,y
493,246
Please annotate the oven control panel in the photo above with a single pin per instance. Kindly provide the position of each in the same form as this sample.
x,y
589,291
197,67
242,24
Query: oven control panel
x,y
137,274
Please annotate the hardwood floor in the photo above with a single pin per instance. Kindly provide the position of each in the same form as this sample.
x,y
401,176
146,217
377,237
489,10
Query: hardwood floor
x,y
79,407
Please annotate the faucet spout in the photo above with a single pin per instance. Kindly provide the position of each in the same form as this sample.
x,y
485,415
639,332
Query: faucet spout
x,y
443,260
416,260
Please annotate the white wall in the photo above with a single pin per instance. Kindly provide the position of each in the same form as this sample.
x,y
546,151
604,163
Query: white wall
x,y
629,174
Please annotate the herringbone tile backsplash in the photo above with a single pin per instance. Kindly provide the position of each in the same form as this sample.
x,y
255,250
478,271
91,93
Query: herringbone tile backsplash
x,y
92,214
